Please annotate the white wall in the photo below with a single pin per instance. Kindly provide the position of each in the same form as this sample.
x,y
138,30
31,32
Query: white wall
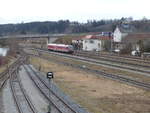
x,y
92,45
117,35
3,51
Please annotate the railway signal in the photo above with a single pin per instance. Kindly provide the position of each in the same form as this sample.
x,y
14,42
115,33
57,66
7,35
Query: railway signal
x,y
50,76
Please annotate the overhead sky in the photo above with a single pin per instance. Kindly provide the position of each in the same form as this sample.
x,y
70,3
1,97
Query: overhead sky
x,y
17,11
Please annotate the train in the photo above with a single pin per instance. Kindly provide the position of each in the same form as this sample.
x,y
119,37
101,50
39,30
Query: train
x,y
60,48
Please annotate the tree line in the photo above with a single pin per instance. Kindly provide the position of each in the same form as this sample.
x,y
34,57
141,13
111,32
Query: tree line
x,y
66,26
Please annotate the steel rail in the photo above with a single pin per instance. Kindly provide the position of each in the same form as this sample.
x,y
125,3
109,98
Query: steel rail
x,y
112,56
46,85
131,58
41,90
98,57
15,83
116,60
98,62
3,77
14,95
108,75
53,91
26,96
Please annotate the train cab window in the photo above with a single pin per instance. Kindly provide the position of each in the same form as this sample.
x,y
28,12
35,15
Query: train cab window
x,y
70,47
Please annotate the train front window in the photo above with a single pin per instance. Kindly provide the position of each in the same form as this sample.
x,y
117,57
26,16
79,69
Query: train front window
x,y
70,47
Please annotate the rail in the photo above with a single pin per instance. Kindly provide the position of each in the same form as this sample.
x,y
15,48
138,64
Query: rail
x,y
108,75
59,103
21,99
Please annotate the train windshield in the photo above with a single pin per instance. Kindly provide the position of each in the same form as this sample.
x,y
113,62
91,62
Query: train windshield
x,y
70,47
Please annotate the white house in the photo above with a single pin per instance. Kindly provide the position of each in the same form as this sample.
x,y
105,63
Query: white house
x,y
94,42
119,34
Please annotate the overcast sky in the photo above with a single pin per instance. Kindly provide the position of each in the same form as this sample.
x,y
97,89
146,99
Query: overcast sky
x,y
17,11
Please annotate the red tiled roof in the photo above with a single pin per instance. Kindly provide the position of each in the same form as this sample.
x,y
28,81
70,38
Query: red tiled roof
x,y
97,37
93,37
138,36
90,37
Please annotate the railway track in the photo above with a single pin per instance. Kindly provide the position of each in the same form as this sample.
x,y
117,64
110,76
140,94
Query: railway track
x,y
116,59
115,56
55,100
112,57
21,99
107,75
134,68
4,76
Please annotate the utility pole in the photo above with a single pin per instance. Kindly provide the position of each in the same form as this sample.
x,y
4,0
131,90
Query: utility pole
x,y
111,45
111,42
48,35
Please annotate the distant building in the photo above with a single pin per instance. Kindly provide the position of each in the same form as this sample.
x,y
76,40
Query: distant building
x,y
3,51
122,31
125,37
96,43
138,41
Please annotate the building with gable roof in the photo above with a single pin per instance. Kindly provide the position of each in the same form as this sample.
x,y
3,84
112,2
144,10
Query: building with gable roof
x,y
122,31
96,43
126,37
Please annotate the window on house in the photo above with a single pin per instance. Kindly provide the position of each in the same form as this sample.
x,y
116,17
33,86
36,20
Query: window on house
x,y
91,41
99,45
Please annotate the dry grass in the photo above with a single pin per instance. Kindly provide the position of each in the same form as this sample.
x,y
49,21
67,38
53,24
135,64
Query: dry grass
x,y
131,75
2,69
98,95
10,60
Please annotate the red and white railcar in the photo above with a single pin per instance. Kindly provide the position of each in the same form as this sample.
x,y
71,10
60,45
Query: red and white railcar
x,y
60,48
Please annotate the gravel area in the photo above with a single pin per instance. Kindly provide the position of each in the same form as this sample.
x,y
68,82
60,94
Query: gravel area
x,y
38,101
1,103
8,101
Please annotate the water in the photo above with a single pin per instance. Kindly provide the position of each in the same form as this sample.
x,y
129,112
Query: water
x,y
3,51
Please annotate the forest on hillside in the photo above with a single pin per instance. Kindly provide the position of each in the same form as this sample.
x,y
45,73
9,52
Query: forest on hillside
x,y
66,26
